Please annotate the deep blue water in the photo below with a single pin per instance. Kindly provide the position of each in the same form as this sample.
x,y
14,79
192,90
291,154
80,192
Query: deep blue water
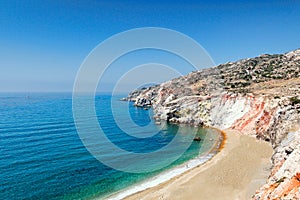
x,y
42,156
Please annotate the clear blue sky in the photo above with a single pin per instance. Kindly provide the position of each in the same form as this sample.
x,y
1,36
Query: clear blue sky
x,y
43,43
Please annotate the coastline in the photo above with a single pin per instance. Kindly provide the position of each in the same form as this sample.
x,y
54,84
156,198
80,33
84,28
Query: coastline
x,y
174,172
236,172
248,97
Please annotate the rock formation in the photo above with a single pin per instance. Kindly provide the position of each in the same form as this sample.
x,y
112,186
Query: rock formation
x,y
258,96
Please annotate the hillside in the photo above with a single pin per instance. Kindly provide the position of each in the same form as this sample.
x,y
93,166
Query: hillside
x,y
258,96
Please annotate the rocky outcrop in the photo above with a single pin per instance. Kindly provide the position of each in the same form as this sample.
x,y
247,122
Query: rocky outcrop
x,y
258,96
284,181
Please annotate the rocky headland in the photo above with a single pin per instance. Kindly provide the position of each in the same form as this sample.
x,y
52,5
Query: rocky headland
x,y
259,97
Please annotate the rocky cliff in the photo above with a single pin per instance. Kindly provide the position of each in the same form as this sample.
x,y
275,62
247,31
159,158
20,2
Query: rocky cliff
x,y
258,96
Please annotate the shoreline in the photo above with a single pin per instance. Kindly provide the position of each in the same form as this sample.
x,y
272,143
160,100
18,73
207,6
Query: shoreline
x,y
235,172
174,172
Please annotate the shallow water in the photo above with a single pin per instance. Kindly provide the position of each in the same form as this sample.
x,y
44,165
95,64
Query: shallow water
x,y
42,156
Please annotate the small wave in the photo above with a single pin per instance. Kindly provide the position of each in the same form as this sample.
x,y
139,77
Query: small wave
x,y
171,173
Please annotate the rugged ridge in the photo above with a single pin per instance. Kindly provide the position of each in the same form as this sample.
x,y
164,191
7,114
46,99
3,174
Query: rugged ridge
x,y
258,96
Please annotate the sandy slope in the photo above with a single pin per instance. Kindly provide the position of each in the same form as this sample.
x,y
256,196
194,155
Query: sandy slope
x,y
234,173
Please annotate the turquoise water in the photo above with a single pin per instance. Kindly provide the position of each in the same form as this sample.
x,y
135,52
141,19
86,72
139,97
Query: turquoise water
x,y
42,156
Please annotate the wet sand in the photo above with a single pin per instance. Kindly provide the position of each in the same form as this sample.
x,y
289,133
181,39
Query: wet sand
x,y
241,167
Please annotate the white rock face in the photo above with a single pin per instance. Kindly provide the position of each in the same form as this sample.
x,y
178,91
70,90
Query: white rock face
x,y
284,182
291,166
170,98
225,112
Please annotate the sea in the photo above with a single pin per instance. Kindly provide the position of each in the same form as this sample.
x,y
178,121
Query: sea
x,y
42,155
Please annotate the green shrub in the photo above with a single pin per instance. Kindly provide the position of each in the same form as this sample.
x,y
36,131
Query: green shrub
x,y
294,100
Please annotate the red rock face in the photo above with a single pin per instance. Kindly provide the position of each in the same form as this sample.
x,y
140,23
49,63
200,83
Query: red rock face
x,y
263,121
276,167
283,189
259,121
249,119
284,180
289,187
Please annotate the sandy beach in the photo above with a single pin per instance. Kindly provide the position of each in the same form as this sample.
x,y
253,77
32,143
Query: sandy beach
x,y
234,173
